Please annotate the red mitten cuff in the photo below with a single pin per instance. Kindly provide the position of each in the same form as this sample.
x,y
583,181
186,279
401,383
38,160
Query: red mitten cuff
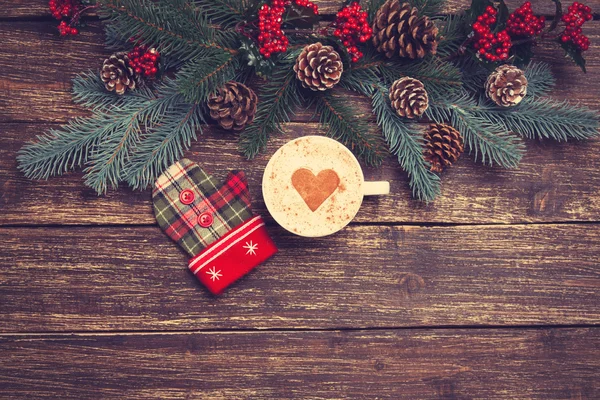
x,y
233,255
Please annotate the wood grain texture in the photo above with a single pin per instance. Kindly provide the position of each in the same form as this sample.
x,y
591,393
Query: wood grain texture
x,y
38,8
414,364
36,87
135,278
556,182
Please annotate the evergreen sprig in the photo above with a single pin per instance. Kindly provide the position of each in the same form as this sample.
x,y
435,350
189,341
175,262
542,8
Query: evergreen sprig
x,y
277,100
406,142
106,142
345,125
176,26
483,136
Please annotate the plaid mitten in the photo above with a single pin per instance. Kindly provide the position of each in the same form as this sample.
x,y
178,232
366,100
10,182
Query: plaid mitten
x,y
212,222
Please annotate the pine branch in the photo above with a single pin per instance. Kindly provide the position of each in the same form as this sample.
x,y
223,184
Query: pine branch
x,y
179,28
405,141
537,118
164,144
482,135
343,125
89,91
363,76
198,79
540,79
451,34
226,13
277,100
428,7
104,142
440,78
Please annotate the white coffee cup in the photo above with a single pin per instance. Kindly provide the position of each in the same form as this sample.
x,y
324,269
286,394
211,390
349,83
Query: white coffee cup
x,y
313,186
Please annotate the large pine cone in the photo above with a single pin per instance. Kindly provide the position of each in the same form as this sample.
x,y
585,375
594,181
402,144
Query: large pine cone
x,y
506,86
233,106
116,73
398,29
444,145
319,67
409,97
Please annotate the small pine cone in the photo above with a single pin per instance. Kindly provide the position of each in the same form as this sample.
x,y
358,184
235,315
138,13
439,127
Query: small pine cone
x,y
398,29
319,67
444,145
506,86
409,97
116,73
233,106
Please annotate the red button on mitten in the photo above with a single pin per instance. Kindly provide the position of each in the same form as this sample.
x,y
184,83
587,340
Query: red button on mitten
x,y
212,222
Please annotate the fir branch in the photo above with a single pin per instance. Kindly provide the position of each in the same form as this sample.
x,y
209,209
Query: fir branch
x,y
440,78
452,35
537,118
226,13
362,77
540,79
406,142
428,7
343,125
197,79
277,100
482,135
89,91
164,144
179,29
104,142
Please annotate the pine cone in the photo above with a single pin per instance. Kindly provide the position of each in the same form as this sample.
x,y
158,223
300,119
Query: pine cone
x,y
233,106
319,67
506,86
444,145
116,73
409,97
398,29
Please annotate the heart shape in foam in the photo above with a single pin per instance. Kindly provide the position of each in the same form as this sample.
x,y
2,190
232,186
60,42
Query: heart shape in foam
x,y
314,190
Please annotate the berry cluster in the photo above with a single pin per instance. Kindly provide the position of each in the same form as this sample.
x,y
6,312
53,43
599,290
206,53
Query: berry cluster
x,y
490,47
62,10
271,38
144,61
578,14
352,27
523,23
65,29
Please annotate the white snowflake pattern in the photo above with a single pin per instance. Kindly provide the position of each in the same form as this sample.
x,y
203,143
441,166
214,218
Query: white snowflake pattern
x,y
214,274
252,247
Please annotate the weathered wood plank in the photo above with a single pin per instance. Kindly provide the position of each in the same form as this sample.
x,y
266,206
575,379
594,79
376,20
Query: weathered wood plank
x,y
556,182
99,279
37,8
38,67
414,364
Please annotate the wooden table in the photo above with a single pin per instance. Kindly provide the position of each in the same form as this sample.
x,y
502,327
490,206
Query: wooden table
x,y
492,291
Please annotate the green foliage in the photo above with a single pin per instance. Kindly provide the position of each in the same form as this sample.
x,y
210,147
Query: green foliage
x,y
483,136
277,100
177,28
106,142
428,7
225,13
541,118
346,126
452,34
440,78
199,78
573,52
540,79
406,142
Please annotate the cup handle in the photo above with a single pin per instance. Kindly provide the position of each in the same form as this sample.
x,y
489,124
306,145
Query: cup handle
x,y
376,188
